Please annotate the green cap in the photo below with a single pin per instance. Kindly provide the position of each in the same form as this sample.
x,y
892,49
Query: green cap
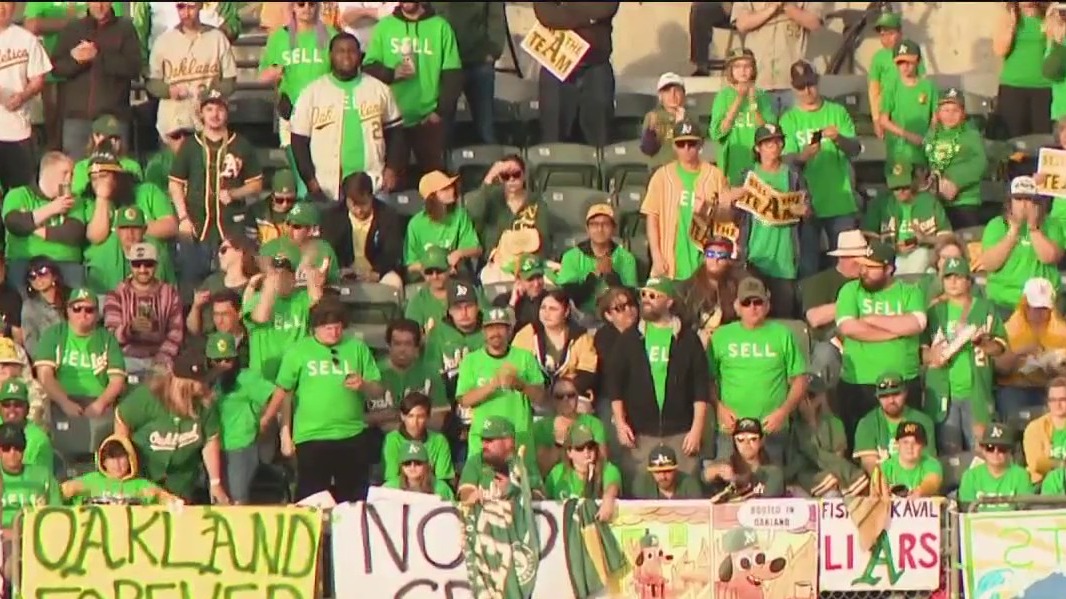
x,y
81,294
212,94
901,176
816,384
435,258
889,20
889,383
304,215
911,429
767,132
283,183
998,434
956,266
130,216
579,435
282,249
498,316
686,130
878,253
221,346
739,539
530,267
952,94
738,54
14,389
107,125
12,435
662,459
496,427
413,451
752,287
907,49
661,285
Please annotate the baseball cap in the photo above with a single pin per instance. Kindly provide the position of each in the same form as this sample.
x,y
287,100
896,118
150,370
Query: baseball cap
x,y
738,54
767,132
907,50
952,94
413,451
502,316
686,130
434,258
878,253
213,95
956,266
850,244
601,209
81,294
530,267
748,426
282,252
434,181
303,215
997,433
660,285
283,183
495,427
910,428
751,287
221,346
1039,293
803,75
669,80
104,160
142,251
889,383
662,459
889,20
14,389
579,434
460,292
130,216
191,363
107,125
1023,186
901,176
12,435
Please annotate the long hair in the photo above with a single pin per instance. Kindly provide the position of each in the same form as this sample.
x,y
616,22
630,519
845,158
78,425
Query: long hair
x,y
321,33
819,405
249,264
180,396
728,71
743,475
426,486
62,290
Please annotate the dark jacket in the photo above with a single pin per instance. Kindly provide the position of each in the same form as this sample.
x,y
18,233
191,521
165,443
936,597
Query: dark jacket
x,y
384,243
101,86
629,380
480,29
591,20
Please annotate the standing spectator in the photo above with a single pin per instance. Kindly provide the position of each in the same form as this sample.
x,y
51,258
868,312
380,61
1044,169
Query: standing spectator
x,y
883,72
186,61
657,132
597,261
154,19
359,18
481,32
1024,100
422,66
215,176
224,308
46,300
908,105
703,19
20,80
145,314
369,243
46,220
619,309
1054,67
708,299
658,384
96,58
269,217
777,32
880,320
329,115
587,96
405,371
738,110
909,218
157,168
330,375
955,152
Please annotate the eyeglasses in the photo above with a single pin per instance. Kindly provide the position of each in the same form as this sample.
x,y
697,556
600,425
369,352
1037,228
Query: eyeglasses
x,y
686,143
586,447
334,356
220,361
650,295
11,403
178,135
7,448
618,308
995,449
718,255
83,309
284,199
569,395
139,264
511,176
752,301
40,272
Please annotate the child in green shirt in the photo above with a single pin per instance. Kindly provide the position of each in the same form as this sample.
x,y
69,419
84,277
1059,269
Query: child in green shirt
x,y
584,473
115,482
883,72
911,471
415,409
955,152
415,474
907,107
23,485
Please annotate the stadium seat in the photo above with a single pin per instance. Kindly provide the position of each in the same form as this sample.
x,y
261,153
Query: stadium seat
x,y
272,159
528,122
561,243
954,466
504,117
629,112
707,152
978,107
471,163
627,209
624,165
567,207
802,334
870,163
495,290
407,203
638,245
252,110
412,289
858,106
993,193
75,438
699,105
372,307
563,165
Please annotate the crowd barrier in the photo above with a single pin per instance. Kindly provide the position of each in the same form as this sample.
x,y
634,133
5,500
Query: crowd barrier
x,y
412,549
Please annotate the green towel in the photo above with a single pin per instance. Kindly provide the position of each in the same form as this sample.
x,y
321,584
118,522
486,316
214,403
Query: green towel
x,y
593,555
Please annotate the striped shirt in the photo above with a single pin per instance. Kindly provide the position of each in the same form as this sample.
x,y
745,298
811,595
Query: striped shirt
x,y
163,308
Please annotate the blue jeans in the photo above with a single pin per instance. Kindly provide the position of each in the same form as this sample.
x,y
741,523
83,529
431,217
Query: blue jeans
x,y
73,274
781,99
774,445
955,433
479,88
241,465
194,260
1012,401
811,240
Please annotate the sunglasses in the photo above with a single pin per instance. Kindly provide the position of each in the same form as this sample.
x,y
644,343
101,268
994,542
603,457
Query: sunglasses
x,y
83,309
586,447
650,295
7,448
334,356
511,176
298,227
284,199
279,262
432,272
562,396
686,143
752,301
718,255
219,361
411,463
178,135
995,449
138,264
619,308
40,272
12,403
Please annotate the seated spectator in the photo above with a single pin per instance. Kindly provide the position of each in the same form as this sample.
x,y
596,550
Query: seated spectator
x,y
46,220
429,305
106,137
240,397
955,152
818,298
405,370
657,132
157,168
708,298
449,342
303,222
527,293
116,480
563,348
875,435
1044,440
549,433
15,409
583,473
25,485
415,410
114,229
817,456
236,267
1055,482
509,218
748,471
175,429
46,300
912,472
10,306
492,472
15,366
1035,331
416,474
596,262
270,217
145,315
738,110
907,218
664,480
442,223
370,242
79,362
998,476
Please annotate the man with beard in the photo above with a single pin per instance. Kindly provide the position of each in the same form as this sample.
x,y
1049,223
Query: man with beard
x,y
345,122
881,320
875,436
706,301
487,475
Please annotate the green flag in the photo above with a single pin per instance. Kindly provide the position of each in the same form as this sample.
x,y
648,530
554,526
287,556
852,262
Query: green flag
x,y
593,555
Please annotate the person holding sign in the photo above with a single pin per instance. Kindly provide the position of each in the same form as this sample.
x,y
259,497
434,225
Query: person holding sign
x,y
907,107
910,219
998,476
738,110
416,473
912,472
955,152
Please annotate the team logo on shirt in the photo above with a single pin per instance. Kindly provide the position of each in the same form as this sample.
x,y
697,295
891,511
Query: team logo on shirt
x,y
231,166
897,170
922,98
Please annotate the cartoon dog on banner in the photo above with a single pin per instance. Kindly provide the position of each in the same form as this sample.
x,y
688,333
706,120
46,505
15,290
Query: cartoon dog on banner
x,y
746,567
648,579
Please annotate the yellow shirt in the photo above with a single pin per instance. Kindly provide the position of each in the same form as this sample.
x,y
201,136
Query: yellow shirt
x,y
360,232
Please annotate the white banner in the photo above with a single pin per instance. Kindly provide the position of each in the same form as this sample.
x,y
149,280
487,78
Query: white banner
x,y
906,556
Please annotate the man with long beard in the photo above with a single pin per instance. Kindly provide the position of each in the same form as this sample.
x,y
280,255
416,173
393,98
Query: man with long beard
x,y
706,300
880,320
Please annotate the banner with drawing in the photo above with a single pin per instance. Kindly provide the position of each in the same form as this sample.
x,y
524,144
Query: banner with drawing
x,y
137,552
906,556
770,206
557,51
1013,554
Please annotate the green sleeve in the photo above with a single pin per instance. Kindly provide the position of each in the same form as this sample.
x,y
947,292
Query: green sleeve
x,y
55,495
248,306
995,230
276,44
471,474
450,60
375,49
438,395
871,219
467,234
444,491
141,15
467,379
915,299
443,467
79,179
774,481
612,476
796,363
568,268
476,203
116,362
552,482
1054,67
154,202
132,409
368,366
1025,484
789,127
543,432
48,346
17,200
969,167
719,107
712,361
865,436
1055,232
847,302
1054,483
289,371
530,371
209,420
390,461
888,99
877,69
231,18
412,251
626,268
156,170
35,10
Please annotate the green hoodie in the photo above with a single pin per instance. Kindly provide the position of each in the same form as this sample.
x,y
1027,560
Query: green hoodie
x,y
958,153
480,28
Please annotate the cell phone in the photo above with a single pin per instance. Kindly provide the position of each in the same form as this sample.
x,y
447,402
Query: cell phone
x,y
816,137
64,189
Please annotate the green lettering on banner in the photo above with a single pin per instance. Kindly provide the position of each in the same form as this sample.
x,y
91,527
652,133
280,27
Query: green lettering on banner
x,y
880,556
114,552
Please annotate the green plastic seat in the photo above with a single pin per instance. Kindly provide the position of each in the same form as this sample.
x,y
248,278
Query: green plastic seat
x,y
624,165
870,163
629,112
563,165
406,203
567,207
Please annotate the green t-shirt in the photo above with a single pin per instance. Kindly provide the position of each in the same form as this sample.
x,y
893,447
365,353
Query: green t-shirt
x,y
577,265
754,367
923,214
883,68
301,65
772,248
421,376
446,346
864,361
657,343
960,370
476,369
1005,284
97,487
829,174
1058,444
269,341
875,434
323,409
455,232
1054,483
733,150
105,263
978,482
688,257
685,487
958,153
33,487
318,253
239,409
1023,67
433,50
436,444
477,474
83,363
353,142
563,482
79,180
911,106
428,310
157,168
39,451
440,488
897,474
169,445
544,429
19,247
1058,90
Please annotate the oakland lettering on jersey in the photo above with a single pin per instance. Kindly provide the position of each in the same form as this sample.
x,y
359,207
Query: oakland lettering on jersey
x,y
173,441
189,69
13,56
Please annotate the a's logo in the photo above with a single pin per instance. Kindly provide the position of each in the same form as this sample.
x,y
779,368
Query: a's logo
x,y
131,213
523,560
996,432
904,49
222,345
771,129
897,169
11,388
412,449
686,129
661,460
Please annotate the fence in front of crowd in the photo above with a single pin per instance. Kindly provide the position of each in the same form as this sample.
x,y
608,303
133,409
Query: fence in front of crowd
x,y
409,547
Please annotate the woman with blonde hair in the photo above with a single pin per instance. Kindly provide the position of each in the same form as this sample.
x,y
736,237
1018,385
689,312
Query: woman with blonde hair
x,y
738,110
174,425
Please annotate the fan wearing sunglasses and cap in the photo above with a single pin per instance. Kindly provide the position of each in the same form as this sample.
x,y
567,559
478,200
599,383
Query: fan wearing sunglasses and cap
x,y
746,471
303,222
270,217
663,479
998,477
708,299
24,485
874,440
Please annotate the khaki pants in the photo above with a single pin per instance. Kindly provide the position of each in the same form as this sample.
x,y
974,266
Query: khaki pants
x,y
635,460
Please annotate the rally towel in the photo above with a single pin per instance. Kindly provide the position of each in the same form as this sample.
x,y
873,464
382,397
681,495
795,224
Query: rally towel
x,y
501,541
593,555
871,513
